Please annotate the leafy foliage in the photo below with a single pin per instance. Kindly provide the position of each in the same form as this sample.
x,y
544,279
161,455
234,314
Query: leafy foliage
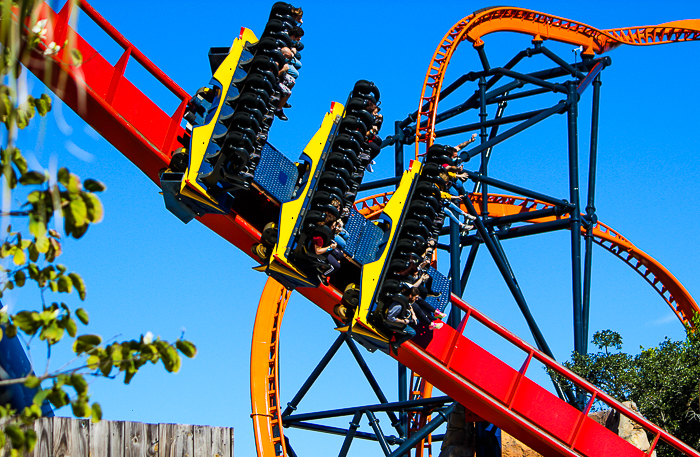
x,y
663,381
28,255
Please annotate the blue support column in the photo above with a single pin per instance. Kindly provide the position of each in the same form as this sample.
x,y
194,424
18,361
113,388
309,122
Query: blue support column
x,y
483,115
354,425
398,151
374,423
402,427
456,285
403,396
590,213
575,220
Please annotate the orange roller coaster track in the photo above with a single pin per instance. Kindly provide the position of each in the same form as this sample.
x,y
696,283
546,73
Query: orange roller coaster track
x,y
541,27
663,281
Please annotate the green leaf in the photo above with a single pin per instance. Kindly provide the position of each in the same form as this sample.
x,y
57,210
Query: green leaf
x,y
80,408
85,343
52,332
34,252
40,396
10,330
169,356
71,327
37,226
74,186
33,271
105,367
19,160
187,348
19,258
43,243
43,105
96,413
130,373
30,438
65,284
79,383
95,212
80,312
93,362
34,196
32,177
20,278
12,178
27,321
58,397
72,229
32,382
16,435
92,185
78,210
63,176
116,353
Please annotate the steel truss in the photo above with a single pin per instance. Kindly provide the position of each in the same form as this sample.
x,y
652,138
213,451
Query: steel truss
x,y
396,411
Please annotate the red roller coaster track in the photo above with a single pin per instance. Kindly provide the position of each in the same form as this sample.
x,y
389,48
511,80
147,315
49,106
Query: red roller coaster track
x,y
145,134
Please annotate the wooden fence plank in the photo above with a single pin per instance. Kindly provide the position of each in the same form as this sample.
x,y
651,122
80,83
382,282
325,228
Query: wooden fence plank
x,y
220,442
141,439
70,437
107,439
176,440
231,441
44,437
202,441
152,440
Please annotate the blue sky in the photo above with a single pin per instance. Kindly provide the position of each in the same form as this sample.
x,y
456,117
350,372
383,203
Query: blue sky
x,y
146,271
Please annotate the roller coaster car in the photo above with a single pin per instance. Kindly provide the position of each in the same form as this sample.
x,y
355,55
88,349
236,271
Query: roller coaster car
x,y
186,194
278,238
233,119
335,167
414,213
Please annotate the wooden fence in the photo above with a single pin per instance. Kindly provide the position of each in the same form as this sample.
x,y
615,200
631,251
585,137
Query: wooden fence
x,y
67,437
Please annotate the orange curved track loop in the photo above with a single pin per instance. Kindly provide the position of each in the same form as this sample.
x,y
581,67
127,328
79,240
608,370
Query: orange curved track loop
x,y
668,286
541,27
264,366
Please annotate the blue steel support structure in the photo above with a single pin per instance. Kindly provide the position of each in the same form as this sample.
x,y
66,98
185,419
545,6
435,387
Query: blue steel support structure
x,y
490,230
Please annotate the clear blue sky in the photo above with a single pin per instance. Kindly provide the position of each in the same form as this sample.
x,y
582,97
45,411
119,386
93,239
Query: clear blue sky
x,y
146,271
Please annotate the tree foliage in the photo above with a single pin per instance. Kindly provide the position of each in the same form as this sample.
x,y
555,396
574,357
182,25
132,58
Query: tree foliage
x,y
663,381
33,242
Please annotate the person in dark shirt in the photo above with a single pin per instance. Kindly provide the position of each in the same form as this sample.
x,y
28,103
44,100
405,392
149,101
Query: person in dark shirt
x,y
400,314
322,239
